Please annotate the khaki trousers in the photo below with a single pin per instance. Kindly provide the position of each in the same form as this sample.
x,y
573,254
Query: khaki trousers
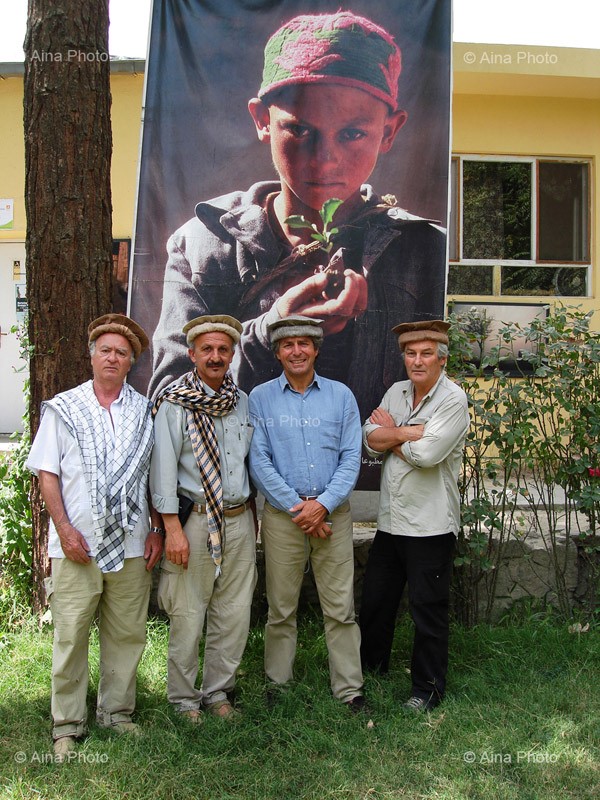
x,y
189,596
287,550
77,592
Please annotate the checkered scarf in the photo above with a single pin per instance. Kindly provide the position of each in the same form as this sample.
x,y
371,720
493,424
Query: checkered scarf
x,y
201,408
115,474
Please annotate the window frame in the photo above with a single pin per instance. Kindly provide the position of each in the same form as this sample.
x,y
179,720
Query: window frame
x,y
456,222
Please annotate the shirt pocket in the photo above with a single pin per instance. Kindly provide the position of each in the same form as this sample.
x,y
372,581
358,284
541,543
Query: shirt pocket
x,y
238,434
329,432
248,432
418,419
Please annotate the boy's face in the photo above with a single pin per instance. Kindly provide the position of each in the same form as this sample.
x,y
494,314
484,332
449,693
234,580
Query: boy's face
x,y
325,140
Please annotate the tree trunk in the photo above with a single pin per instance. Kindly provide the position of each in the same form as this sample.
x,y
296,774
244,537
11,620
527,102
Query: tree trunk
x,y
67,199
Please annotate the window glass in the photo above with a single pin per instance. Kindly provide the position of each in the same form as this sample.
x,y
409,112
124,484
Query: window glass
x,y
470,279
453,222
544,281
503,204
563,212
496,210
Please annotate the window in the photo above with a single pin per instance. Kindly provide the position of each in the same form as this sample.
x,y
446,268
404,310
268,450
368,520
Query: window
x,y
519,227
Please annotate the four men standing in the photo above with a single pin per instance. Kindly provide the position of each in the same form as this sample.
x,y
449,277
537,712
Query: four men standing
x,y
303,436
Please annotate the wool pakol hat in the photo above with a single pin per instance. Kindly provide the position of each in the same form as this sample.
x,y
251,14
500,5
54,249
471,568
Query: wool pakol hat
x,y
119,323
340,48
434,330
211,323
295,326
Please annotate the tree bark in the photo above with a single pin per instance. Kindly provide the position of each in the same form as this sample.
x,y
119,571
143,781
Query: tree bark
x,y
68,148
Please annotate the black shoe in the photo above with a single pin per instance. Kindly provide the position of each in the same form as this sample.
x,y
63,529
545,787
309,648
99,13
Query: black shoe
x,y
379,669
358,705
273,694
416,705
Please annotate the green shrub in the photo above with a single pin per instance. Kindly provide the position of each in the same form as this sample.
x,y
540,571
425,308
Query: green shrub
x,y
532,454
15,517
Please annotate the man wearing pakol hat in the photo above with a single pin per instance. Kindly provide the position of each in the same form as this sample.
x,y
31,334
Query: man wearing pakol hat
x,y
327,108
420,427
91,454
305,458
199,484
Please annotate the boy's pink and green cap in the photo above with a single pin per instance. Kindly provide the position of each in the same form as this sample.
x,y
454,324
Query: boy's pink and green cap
x,y
340,48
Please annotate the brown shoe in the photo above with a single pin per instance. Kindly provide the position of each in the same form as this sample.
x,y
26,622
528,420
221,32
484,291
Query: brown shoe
x,y
63,748
125,727
223,709
193,716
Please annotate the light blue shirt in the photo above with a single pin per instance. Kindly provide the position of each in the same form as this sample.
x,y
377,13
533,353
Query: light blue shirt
x,y
304,444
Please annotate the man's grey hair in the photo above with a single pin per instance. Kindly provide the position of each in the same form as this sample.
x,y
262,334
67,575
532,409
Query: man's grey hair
x,y
442,350
318,341
92,350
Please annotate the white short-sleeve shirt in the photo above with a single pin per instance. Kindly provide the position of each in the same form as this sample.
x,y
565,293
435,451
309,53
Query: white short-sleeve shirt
x,y
55,450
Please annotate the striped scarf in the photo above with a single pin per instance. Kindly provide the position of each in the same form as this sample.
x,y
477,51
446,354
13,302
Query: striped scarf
x,y
115,475
201,408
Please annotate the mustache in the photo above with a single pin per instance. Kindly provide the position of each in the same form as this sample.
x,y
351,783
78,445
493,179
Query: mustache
x,y
218,363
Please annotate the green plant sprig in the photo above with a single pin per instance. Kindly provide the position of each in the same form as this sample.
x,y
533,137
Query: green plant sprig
x,y
326,213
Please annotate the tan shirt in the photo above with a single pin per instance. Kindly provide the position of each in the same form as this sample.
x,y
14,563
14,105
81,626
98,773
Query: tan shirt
x,y
419,496
173,467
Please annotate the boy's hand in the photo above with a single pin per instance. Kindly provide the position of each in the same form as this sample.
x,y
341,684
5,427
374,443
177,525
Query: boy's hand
x,y
307,298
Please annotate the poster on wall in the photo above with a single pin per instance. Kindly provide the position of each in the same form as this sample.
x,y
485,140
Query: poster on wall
x,y
258,112
21,306
7,214
120,274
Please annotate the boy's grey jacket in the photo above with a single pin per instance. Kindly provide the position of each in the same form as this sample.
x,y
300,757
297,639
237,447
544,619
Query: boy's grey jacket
x,y
216,256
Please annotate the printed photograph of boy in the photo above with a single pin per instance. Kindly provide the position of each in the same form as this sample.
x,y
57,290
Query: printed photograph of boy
x,y
327,110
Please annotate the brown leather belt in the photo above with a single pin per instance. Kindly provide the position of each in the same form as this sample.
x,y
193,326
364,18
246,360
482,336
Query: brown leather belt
x,y
309,497
232,511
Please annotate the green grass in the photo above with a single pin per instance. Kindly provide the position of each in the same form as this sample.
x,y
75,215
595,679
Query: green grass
x,y
523,705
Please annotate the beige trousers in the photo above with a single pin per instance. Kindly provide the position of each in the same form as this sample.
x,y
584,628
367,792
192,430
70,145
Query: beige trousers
x,y
77,592
193,595
287,550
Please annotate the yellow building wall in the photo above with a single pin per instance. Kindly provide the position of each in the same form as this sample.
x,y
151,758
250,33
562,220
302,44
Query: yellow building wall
x,y
126,114
532,101
12,153
535,126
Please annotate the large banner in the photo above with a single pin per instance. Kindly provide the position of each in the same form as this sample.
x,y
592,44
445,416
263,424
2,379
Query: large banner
x,y
354,107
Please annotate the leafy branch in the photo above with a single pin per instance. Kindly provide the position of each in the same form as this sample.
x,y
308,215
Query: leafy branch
x,y
326,213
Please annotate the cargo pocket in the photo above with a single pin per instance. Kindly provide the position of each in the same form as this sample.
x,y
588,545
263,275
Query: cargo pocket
x,y
172,593
48,588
